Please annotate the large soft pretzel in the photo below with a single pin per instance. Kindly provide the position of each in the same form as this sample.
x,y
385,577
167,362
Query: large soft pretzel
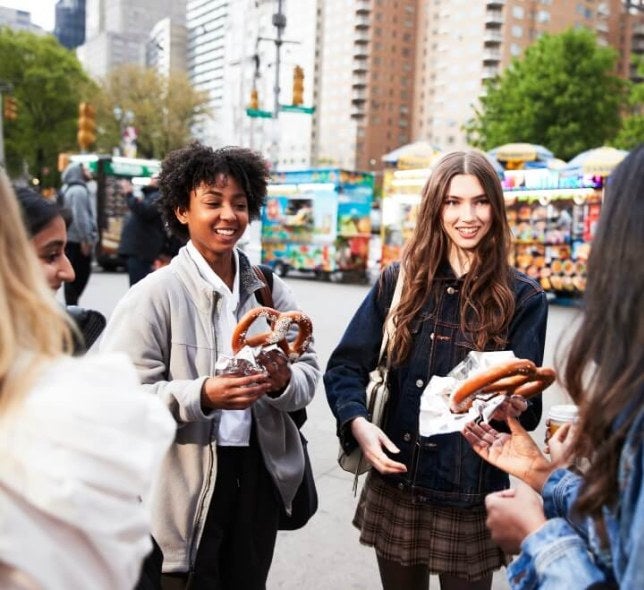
x,y
516,377
280,322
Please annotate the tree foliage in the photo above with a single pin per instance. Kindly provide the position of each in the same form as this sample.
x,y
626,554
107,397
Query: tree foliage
x,y
48,83
563,94
632,131
163,109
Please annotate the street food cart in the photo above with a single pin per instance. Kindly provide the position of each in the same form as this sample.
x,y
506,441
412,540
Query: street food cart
x,y
318,220
111,206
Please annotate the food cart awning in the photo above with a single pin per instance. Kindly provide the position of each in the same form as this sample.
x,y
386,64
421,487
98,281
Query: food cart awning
x,y
599,161
521,152
419,154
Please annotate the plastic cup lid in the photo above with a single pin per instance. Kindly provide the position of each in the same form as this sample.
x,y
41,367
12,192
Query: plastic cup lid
x,y
563,413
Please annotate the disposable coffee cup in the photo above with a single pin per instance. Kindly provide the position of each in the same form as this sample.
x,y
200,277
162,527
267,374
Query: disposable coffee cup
x,y
560,415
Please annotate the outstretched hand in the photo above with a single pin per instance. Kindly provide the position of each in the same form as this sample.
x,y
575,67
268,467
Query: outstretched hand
x,y
516,453
372,440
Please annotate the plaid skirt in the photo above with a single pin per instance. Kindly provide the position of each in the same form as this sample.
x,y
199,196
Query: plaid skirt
x,y
453,541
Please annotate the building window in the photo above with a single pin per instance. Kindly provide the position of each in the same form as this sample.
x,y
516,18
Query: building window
x,y
517,31
517,12
543,16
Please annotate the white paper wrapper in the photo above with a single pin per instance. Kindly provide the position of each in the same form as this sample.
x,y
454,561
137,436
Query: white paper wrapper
x,y
435,415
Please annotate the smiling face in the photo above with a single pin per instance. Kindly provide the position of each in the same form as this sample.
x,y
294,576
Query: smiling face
x,y
466,215
49,243
216,219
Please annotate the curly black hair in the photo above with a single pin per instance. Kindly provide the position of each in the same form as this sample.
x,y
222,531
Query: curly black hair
x,y
186,168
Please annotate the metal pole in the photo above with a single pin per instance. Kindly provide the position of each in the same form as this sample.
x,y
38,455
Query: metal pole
x,y
279,22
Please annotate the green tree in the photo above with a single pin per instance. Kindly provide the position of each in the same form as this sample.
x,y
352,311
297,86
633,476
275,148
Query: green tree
x,y
563,94
48,84
632,130
163,109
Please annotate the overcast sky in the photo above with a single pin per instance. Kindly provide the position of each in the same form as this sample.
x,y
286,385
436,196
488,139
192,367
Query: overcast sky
x,y
42,11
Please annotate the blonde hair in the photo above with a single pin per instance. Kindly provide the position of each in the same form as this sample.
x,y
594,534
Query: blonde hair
x,y
34,328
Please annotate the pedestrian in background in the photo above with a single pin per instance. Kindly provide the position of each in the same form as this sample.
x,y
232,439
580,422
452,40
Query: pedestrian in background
x,y
422,504
72,515
237,457
143,236
588,531
83,231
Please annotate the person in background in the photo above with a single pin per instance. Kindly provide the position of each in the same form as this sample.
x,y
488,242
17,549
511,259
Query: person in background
x,y
143,236
238,457
422,504
83,231
47,224
588,532
72,515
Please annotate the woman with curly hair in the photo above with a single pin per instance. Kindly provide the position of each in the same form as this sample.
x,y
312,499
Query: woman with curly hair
x,y
587,531
422,503
238,456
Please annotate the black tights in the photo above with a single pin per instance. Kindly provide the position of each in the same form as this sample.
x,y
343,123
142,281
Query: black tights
x,y
395,576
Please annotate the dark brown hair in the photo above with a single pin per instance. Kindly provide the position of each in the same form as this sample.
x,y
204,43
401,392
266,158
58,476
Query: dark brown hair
x,y
487,298
603,372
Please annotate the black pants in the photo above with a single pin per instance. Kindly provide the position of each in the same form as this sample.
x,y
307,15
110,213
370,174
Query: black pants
x,y
236,548
82,266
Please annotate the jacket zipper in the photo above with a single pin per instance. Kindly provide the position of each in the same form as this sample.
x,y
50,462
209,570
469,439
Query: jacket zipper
x,y
211,460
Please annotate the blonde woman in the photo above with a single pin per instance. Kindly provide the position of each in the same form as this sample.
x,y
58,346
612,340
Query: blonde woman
x,y
78,450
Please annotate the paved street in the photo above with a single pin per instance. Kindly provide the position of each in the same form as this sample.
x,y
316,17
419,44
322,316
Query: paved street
x,y
326,553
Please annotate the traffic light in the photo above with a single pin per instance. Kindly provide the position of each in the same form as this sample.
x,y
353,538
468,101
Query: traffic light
x,y
86,125
298,86
254,99
10,108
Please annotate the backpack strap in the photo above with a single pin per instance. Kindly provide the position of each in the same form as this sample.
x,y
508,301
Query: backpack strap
x,y
265,297
265,294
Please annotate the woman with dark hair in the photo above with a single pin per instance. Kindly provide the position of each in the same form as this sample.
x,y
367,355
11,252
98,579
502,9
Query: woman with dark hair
x,y
589,528
238,457
47,224
422,503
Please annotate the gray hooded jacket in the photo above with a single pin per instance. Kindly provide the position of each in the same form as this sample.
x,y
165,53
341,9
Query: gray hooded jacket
x,y
168,324
79,201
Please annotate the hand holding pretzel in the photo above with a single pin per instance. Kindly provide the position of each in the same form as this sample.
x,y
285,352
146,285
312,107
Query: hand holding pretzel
x,y
280,323
518,377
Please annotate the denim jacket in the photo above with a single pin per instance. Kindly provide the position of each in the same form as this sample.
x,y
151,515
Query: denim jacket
x,y
441,469
568,554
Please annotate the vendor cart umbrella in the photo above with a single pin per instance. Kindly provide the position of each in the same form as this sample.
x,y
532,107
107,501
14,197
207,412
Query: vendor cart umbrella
x,y
419,154
599,161
523,152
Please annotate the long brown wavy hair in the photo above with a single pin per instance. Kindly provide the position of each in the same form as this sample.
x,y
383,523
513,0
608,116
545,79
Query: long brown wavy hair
x,y
487,297
603,372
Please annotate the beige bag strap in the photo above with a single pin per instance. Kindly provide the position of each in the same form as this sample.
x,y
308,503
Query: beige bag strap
x,y
389,321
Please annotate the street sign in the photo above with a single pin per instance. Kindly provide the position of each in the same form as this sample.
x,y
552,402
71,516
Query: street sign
x,y
290,108
259,113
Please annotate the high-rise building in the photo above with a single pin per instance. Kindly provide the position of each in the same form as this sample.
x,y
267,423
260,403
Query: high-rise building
x,y
19,20
232,54
366,69
69,26
395,71
116,31
166,48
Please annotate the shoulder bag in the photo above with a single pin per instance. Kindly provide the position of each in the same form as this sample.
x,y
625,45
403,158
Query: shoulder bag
x,y
305,503
377,393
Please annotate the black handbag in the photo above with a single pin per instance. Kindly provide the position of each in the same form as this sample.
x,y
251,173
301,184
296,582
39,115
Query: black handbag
x,y
305,502
90,324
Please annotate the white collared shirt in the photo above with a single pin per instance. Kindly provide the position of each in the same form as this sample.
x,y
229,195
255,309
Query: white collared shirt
x,y
235,425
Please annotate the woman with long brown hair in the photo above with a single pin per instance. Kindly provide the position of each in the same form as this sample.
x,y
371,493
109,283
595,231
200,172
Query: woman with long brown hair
x,y
422,504
593,534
